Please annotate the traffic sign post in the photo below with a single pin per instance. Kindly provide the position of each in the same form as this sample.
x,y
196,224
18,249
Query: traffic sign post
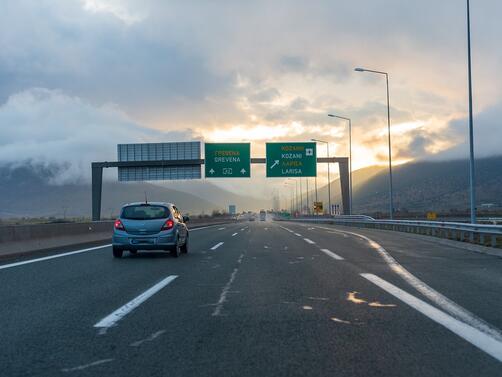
x,y
432,215
291,160
318,207
227,160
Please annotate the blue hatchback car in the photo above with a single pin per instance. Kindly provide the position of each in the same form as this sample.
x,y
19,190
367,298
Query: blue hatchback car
x,y
150,226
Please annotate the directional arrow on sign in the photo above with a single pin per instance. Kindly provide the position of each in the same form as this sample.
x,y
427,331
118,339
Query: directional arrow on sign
x,y
211,171
243,171
276,162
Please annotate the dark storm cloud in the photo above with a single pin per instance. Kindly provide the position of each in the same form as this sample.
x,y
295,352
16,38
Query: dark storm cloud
x,y
98,58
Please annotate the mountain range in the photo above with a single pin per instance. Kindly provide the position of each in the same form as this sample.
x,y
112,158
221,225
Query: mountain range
x,y
25,192
441,186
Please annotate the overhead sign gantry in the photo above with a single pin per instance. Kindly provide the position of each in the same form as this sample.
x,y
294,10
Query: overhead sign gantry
x,y
181,160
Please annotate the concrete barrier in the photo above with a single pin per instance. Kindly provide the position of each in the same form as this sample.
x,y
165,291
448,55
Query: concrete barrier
x,y
26,239
19,239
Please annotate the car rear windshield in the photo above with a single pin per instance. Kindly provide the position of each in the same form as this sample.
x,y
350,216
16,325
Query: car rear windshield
x,y
145,212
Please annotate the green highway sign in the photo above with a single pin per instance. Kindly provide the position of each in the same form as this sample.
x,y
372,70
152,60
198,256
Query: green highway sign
x,y
291,160
227,160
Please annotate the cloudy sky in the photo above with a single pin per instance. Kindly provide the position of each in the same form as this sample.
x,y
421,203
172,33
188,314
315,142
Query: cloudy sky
x,y
79,76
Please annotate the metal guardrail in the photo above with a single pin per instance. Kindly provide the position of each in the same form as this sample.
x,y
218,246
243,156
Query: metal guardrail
x,y
481,234
490,220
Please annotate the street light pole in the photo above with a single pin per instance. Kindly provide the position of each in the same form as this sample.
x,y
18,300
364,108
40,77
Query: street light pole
x,y
296,194
301,197
329,179
291,196
292,199
391,204
315,184
472,176
308,206
350,157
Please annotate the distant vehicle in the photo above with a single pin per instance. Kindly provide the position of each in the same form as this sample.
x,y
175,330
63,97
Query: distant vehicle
x,y
150,226
263,215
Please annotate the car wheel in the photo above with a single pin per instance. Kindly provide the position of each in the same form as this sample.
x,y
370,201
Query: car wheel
x,y
184,248
117,253
177,249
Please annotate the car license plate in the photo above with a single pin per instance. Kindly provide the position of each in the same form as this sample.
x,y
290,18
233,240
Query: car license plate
x,y
142,241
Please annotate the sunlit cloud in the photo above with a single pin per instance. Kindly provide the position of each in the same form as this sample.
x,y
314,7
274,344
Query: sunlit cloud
x,y
254,133
403,128
114,7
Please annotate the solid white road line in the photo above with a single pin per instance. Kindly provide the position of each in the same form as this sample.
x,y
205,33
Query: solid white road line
x,y
331,254
483,341
117,315
221,228
10,265
233,235
298,234
52,257
442,301
217,245
309,241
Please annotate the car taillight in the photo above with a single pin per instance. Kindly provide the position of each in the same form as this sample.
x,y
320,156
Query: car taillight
x,y
118,225
168,225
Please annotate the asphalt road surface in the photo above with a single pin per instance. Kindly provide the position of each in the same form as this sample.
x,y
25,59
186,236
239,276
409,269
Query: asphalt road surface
x,y
257,299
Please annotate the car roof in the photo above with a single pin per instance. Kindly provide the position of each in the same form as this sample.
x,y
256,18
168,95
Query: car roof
x,y
151,203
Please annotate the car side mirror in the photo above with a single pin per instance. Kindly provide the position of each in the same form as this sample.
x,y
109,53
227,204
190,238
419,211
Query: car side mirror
x,y
186,219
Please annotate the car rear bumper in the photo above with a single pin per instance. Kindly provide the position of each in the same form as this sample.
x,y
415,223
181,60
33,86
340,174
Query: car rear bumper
x,y
155,242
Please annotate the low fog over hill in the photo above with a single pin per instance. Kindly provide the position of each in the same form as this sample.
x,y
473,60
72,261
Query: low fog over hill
x,y
25,192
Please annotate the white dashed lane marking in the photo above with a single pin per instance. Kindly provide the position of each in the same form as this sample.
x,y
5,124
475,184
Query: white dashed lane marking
x,y
217,245
117,315
331,254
